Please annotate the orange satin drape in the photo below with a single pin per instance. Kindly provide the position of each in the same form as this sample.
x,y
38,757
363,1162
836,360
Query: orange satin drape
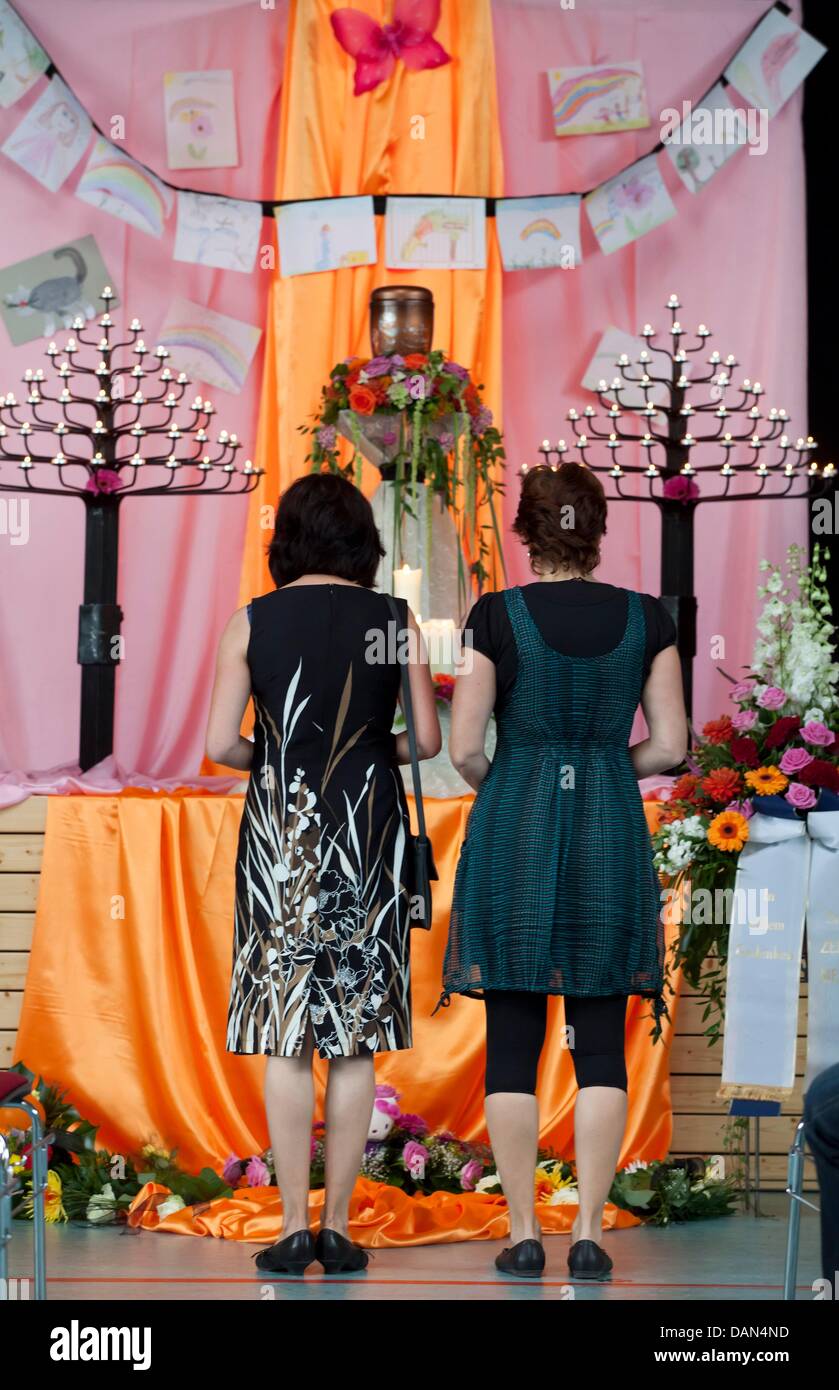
x,y
423,132
126,995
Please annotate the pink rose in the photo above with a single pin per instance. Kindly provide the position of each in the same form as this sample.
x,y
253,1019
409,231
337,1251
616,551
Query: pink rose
x,y
414,1157
470,1173
257,1174
680,489
744,807
744,720
799,796
773,697
818,733
741,691
794,760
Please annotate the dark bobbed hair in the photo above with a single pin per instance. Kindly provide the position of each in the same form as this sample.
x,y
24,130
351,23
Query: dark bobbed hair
x,y
562,517
324,526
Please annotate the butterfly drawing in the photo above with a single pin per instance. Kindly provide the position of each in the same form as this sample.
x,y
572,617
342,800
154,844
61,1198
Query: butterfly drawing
x,y
376,47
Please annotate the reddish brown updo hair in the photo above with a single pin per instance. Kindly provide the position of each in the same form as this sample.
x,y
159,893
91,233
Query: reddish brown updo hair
x,y
562,517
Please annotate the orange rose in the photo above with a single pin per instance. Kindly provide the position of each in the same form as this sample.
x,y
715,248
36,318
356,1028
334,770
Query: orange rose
x,y
362,400
415,361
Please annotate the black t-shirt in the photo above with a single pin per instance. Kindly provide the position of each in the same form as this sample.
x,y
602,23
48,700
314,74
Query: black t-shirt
x,y
577,617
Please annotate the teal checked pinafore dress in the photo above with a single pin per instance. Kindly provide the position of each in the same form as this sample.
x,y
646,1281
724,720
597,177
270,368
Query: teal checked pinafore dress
x,y
555,889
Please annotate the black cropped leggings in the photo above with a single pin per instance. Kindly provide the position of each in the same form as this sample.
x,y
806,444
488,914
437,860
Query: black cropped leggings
x,y
516,1021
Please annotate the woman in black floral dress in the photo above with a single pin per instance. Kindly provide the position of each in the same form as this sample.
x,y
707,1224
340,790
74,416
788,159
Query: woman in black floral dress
x,y
323,890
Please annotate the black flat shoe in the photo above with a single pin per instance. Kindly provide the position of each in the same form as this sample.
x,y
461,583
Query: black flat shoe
x,y
586,1260
290,1256
525,1260
339,1255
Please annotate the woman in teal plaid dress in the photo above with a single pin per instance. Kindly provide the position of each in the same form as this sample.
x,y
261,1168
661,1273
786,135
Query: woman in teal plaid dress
x,y
556,891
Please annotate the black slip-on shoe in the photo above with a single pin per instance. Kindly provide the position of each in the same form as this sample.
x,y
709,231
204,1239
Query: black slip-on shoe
x,y
293,1255
586,1260
525,1260
339,1255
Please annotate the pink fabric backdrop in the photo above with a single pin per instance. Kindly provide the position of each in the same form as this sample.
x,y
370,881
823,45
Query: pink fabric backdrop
x,y
735,254
179,559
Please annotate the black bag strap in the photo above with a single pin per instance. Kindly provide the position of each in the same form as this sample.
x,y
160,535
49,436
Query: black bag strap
x,y
408,711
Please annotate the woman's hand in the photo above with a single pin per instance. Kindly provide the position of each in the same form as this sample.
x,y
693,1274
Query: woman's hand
x,y
472,705
423,701
231,692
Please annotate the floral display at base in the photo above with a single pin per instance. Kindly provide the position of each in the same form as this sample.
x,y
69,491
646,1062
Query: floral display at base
x,y
779,744
420,418
402,1156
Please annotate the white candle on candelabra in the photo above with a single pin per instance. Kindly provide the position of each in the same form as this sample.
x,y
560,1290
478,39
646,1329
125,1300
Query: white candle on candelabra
x,y
407,584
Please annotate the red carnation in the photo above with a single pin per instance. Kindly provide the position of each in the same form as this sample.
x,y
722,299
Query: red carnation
x,y
745,750
820,773
782,731
718,730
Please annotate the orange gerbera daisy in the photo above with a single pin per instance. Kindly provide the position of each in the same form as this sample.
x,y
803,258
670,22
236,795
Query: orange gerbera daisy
x,y
362,400
766,781
729,830
722,785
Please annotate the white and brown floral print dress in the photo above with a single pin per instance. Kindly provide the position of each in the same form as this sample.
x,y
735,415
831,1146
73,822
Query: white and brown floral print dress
x,y
322,925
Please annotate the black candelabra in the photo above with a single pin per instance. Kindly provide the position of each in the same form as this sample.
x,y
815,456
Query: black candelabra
x,y
102,435
735,440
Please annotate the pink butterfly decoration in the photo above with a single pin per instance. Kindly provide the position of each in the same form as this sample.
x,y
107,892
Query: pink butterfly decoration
x,y
376,47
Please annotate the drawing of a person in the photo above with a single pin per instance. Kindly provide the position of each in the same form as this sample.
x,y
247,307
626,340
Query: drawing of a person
x,y
324,260
58,127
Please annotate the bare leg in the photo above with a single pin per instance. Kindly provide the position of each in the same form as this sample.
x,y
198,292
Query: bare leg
x,y
350,1092
599,1122
513,1123
290,1103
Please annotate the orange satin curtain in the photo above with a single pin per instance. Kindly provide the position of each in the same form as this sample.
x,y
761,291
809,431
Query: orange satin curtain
x,y
426,132
126,995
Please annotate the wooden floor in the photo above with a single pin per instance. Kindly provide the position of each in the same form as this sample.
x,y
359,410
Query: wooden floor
x,y
731,1259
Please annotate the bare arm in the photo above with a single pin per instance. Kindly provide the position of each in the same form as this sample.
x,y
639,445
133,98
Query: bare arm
x,y
663,703
474,698
231,692
426,723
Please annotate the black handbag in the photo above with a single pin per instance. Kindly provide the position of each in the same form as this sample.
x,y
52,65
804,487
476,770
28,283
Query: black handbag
x,y
423,854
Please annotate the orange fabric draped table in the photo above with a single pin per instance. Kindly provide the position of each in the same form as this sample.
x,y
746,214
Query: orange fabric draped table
x,y
126,999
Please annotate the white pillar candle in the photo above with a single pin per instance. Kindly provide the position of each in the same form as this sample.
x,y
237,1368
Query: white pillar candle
x,y
407,584
441,640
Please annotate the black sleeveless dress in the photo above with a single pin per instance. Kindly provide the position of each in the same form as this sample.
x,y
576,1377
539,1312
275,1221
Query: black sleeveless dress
x,y
322,916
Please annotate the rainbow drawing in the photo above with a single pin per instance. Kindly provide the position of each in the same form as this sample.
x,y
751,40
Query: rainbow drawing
x,y
590,101
541,226
208,346
539,233
115,183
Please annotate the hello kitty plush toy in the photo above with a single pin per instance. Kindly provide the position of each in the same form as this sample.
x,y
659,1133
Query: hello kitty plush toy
x,y
385,1111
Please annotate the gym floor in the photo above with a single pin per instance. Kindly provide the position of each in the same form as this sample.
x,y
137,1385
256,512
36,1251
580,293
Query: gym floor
x,y
730,1259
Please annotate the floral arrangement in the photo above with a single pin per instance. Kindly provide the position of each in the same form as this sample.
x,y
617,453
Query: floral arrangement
x,y
443,688
87,1184
437,431
779,744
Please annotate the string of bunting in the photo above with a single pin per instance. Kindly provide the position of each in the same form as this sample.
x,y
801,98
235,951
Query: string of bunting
x,y
767,67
